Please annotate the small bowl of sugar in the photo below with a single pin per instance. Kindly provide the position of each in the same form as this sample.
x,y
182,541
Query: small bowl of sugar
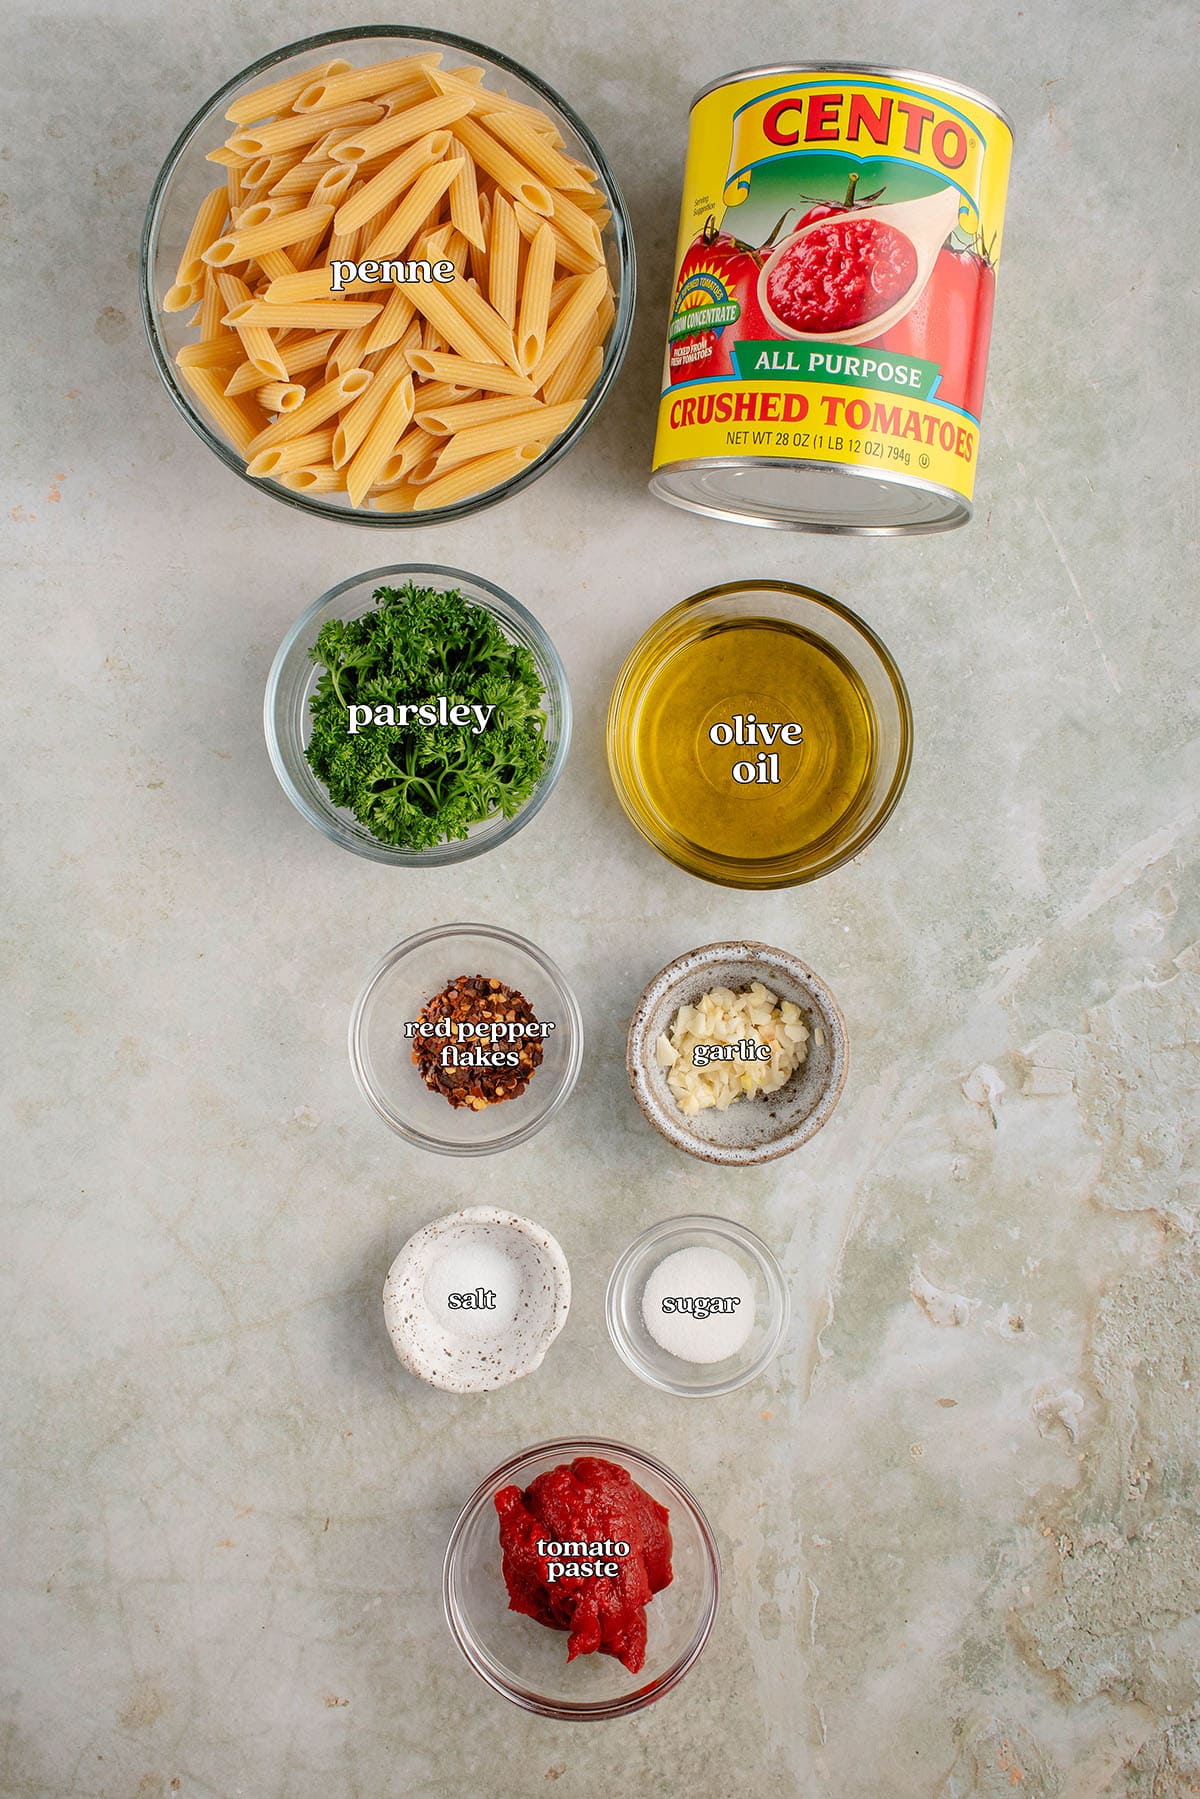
x,y
697,1306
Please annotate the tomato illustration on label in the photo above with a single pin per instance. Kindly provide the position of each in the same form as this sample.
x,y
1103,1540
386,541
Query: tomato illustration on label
x,y
951,324
717,282
829,209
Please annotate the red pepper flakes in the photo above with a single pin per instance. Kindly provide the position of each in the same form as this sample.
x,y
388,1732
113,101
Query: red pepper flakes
x,y
478,1000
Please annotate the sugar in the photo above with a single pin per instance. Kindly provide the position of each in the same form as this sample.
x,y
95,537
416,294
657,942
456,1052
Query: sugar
x,y
707,1275
463,1267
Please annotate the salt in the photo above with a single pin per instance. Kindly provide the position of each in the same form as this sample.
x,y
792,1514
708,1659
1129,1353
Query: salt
x,y
463,1267
706,1275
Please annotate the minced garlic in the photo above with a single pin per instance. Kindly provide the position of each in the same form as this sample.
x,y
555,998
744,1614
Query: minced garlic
x,y
729,1045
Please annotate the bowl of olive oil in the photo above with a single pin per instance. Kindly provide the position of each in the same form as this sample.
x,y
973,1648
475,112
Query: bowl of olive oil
x,y
759,734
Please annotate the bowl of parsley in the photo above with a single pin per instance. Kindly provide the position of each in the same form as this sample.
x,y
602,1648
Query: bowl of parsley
x,y
417,715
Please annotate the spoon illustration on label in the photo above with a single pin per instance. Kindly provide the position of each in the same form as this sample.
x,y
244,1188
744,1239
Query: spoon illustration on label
x,y
849,277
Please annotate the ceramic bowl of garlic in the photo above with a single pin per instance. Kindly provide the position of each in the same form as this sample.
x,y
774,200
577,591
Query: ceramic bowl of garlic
x,y
737,1053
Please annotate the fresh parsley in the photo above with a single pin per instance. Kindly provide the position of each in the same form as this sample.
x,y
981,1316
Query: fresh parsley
x,y
416,785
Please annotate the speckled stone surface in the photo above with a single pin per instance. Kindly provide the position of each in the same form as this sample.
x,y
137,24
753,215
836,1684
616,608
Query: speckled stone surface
x,y
959,1515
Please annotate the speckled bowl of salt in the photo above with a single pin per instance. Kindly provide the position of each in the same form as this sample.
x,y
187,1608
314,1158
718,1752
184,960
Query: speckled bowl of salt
x,y
766,1123
697,1306
475,1299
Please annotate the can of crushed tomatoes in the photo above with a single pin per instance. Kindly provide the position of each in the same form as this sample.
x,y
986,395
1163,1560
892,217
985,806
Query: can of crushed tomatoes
x,y
834,282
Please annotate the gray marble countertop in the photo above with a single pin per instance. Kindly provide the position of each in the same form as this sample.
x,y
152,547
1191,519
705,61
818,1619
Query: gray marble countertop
x,y
959,1515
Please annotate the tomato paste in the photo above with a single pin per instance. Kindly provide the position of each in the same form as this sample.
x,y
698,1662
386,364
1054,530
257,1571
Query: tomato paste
x,y
585,1549
833,300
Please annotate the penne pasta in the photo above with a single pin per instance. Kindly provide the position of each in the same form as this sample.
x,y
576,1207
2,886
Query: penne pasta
x,y
414,451
257,343
211,308
570,256
350,349
322,479
303,177
504,253
238,419
392,323
414,122
275,264
393,499
502,166
317,314
213,352
226,158
489,101
308,451
394,238
457,371
182,296
280,396
444,421
538,423
464,205
280,95
357,420
330,89
576,374
519,136
380,440
443,393
206,229
291,132
319,406
475,477
274,233
414,391
436,307
534,316
391,180
297,359
479,259
573,320
483,319
334,183
578,227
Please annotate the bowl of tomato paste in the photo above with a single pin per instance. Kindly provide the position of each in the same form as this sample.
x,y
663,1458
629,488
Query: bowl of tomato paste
x,y
550,1625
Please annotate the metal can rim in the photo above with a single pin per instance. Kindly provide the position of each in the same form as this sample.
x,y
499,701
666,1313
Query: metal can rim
x,y
858,68
831,529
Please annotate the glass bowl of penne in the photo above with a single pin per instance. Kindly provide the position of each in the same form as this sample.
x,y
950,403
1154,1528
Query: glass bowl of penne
x,y
387,276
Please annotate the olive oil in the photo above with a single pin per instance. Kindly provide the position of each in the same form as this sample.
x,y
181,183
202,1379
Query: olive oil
x,y
754,740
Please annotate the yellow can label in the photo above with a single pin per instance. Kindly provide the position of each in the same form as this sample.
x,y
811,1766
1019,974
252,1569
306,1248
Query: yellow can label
x,y
835,275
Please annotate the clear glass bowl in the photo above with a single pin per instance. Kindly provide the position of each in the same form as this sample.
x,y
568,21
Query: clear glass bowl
x,y
185,177
293,681
851,641
381,1055
656,1365
527,1662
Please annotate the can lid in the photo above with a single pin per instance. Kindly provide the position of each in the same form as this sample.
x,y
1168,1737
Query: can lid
x,y
792,495
857,68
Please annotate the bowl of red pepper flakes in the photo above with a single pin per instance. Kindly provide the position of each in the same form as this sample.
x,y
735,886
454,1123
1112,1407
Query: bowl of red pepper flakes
x,y
466,1039
529,1653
